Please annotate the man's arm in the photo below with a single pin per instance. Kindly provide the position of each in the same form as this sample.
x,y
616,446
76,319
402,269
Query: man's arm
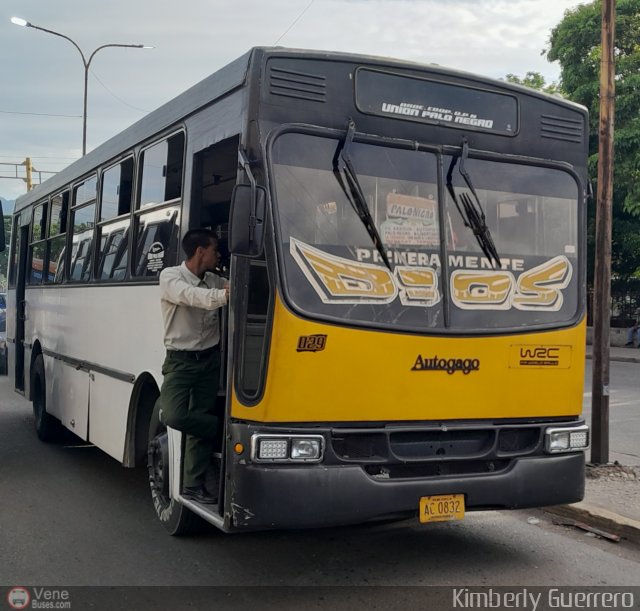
x,y
179,292
218,282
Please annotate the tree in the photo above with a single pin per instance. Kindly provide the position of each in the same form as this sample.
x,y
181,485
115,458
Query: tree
x,y
575,43
534,80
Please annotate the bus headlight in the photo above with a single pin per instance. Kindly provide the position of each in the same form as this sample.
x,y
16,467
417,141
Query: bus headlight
x,y
305,449
287,448
572,439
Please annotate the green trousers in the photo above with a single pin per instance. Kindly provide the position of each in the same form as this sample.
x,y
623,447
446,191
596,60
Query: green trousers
x,y
188,399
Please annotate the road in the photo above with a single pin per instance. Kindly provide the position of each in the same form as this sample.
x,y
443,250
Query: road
x,y
73,516
624,411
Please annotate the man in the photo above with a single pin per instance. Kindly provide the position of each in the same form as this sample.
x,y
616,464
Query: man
x,y
190,297
632,333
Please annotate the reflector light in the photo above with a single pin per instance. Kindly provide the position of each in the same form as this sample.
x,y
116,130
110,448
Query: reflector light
x,y
567,439
579,440
272,449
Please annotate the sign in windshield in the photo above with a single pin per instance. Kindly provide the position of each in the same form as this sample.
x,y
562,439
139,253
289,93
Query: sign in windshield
x,y
429,101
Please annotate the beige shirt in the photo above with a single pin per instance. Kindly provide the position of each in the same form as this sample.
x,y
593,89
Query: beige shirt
x,y
190,308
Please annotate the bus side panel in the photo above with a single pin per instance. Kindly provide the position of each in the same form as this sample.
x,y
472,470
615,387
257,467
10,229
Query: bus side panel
x,y
108,411
71,392
82,331
54,385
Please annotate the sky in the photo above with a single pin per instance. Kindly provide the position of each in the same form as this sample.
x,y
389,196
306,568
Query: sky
x,y
42,75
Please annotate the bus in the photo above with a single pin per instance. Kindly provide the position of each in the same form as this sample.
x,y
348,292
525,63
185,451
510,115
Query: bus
x,y
405,336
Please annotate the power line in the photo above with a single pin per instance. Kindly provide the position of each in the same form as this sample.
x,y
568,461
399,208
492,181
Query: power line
x,y
43,114
115,96
39,114
294,22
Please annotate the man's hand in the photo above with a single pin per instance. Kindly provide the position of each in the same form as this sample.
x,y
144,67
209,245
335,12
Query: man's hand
x,y
226,290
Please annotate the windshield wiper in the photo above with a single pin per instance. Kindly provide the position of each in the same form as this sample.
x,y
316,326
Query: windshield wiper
x,y
471,210
353,190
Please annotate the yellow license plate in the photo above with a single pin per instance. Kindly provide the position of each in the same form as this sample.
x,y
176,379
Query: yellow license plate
x,y
442,508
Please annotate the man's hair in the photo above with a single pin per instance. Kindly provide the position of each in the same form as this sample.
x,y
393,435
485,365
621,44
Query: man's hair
x,y
197,237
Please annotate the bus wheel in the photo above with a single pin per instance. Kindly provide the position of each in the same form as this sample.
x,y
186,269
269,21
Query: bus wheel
x,y
176,518
47,427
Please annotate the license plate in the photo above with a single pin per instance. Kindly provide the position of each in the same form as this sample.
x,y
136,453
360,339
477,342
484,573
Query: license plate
x,y
441,508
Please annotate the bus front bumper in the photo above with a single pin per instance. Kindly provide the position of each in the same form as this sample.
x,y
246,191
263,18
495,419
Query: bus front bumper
x,y
301,496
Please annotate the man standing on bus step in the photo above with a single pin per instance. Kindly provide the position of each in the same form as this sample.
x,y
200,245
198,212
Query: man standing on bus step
x,y
190,297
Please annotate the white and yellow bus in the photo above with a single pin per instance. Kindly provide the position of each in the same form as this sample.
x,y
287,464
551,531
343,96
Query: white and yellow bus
x,y
405,334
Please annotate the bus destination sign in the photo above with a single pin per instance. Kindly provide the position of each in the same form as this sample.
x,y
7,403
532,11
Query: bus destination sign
x,y
427,101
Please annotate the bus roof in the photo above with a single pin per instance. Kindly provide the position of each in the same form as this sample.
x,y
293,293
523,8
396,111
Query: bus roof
x,y
222,82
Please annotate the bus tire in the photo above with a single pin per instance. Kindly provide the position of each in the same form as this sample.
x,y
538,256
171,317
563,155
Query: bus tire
x,y
48,428
175,517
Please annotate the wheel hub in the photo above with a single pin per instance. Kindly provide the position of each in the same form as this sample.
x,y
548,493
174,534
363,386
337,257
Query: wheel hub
x,y
159,464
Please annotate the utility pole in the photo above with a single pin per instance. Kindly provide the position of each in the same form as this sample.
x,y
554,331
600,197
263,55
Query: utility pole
x,y
602,273
29,169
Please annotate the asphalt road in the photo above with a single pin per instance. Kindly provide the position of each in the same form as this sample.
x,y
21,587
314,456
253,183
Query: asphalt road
x,y
624,411
73,516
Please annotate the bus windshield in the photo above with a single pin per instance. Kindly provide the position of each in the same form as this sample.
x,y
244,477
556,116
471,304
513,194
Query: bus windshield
x,y
334,270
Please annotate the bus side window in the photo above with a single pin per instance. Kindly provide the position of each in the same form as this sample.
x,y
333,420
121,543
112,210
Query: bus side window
x,y
253,363
37,244
116,190
114,251
83,220
156,241
56,238
157,216
162,166
113,230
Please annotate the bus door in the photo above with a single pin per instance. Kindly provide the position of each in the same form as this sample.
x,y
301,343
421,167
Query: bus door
x,y
251,287
22,244
214,177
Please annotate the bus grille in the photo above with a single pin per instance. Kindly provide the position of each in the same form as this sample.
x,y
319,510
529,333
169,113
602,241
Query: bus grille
x,y
561,128
431,444
300,85
436,469
436,445
518,440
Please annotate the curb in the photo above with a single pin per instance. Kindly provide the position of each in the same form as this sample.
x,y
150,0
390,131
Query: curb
x,y
600,518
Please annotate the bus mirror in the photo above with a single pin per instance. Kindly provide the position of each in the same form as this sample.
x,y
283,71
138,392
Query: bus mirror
x,y
3,243
246,227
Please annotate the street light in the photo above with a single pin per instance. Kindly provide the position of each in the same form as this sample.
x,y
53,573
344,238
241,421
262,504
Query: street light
x,y
87,63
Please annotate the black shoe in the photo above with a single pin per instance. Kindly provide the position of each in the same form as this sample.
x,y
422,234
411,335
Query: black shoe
x,y
628,344
199,494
